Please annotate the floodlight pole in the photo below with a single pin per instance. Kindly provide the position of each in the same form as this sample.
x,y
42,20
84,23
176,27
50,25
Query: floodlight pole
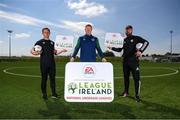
x,y
171,32
10,37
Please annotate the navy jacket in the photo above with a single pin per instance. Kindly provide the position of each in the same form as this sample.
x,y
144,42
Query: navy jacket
x,y
88,45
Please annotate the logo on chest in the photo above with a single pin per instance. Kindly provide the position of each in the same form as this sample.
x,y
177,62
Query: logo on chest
x,y
92,39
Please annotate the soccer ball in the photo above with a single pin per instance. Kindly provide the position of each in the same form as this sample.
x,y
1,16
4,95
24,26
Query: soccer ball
x,y
139,45
38,48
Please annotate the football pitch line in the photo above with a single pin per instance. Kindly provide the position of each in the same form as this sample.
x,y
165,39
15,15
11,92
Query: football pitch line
x,y
174,71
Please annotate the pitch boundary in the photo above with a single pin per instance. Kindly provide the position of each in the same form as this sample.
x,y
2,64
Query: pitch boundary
x,y
146,76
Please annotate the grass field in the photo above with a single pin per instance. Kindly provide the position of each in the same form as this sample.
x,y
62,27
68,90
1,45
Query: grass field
x,y
20,96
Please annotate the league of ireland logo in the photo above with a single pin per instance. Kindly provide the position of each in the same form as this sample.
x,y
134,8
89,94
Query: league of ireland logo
x,y
72,88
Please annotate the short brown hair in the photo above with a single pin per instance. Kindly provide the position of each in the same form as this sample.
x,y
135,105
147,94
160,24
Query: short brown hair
x,y
89,25
129,27
45,29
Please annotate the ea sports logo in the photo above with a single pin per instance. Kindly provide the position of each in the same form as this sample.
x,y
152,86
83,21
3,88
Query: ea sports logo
x,y
89,71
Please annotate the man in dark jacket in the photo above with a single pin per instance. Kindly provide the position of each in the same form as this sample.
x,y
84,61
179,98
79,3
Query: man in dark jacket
x,y
131,53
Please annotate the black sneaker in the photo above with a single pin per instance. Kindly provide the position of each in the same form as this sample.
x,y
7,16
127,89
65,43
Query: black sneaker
x,y
44,97
137,99
55,96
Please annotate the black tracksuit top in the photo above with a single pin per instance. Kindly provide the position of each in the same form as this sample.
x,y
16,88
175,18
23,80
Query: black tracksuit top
x,y
47,55
129,46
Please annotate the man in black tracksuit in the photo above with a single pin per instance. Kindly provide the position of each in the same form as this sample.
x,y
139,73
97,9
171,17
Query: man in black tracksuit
x,y
131,56
47,62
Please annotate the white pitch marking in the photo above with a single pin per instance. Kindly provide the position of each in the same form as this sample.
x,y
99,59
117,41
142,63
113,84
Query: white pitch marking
x,y
147,76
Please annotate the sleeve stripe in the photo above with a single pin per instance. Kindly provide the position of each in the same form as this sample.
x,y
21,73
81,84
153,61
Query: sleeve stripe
x,y
144,46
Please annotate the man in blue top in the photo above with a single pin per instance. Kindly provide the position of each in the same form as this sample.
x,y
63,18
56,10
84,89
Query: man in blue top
x,y
88,45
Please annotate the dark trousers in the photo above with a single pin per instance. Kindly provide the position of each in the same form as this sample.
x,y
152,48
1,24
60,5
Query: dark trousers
x,y
48,70
131,67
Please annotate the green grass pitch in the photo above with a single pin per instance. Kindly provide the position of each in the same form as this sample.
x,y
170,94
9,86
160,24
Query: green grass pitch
x,y
20,96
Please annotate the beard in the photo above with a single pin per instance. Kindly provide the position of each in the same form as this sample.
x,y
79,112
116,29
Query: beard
x,y
128,34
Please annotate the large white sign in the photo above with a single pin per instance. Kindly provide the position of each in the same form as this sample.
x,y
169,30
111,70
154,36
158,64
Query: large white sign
x,y
114,40
64,42
89,82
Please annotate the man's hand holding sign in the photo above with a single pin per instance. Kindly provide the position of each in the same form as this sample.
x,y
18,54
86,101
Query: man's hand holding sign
x,y
64,44
114,40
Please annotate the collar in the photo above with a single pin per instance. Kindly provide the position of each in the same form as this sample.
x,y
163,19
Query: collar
x,y
46,39
88,35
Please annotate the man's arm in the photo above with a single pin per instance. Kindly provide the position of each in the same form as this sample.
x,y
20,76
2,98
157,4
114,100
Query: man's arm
x,y
78,45
33,52
99,49
116,49
145,44
57,52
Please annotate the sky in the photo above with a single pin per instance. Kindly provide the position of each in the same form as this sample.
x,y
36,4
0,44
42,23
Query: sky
x,y
151,19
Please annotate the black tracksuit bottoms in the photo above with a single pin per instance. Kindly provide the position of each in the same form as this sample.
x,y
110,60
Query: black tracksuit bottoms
x,y
131,67
48,70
